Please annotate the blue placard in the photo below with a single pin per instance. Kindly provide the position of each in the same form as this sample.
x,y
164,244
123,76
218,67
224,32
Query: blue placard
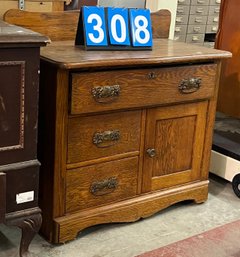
x,y
94,26
141,27
114,28
118,28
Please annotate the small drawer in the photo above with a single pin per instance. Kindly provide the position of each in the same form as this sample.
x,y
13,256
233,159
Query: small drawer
x,y
199,10
183,2
215,2
180,38
212,29
209,44
213,20
105,135
124,89
183,10
101,184
195,38
180,29
183,19
214,10
197,20
200,2
196,29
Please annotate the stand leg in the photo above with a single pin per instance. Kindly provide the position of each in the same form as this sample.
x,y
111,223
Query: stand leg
x,y
30,225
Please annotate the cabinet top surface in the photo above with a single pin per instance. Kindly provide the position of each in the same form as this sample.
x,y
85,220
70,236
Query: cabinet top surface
x,y
11,34
67,56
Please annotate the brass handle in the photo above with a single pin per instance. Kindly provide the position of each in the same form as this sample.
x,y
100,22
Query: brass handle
x,y
104,187
106,138
188,86
151,152
106,94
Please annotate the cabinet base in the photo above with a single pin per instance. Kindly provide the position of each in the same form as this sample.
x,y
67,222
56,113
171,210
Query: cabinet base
x,y
67,227
29,221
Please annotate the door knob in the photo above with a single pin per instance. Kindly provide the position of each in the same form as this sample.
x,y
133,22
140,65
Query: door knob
x,y
151,152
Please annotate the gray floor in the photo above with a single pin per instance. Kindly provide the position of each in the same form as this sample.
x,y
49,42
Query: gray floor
x,y
129,239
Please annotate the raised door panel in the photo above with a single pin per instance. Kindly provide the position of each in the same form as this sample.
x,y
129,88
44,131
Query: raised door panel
x,y
19,71
174,145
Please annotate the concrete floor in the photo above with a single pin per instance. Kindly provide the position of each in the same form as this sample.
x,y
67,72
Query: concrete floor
x,y
130,239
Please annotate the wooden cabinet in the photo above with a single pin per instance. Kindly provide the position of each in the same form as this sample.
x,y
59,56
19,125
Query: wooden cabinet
x,y
228,39
123,135
19,166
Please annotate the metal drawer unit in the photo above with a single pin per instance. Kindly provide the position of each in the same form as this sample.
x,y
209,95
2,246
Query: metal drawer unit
x,y
196,21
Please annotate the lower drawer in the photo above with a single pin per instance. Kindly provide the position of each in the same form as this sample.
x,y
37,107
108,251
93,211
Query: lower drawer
x,y
101,184
103,135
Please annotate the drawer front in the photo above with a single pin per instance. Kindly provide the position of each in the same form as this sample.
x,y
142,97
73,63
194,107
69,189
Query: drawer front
x,y
196,29
197,20
183,2
103,135
199,2
209,44
214,10
215,2
101,184
139,88
180,38
183,10
195,38
213,20
199,10
181,19
212,29
180,29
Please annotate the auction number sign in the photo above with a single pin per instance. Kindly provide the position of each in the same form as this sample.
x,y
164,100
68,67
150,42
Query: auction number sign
x,y
115,28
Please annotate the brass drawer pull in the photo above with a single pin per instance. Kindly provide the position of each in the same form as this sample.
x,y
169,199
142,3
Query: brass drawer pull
x,y
106,94
104,187
188,86
106,138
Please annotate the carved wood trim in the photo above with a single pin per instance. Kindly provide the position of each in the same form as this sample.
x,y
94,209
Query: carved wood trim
x,y
20,145
30,222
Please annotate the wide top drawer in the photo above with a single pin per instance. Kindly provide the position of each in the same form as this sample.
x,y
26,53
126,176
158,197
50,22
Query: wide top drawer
x,y
111,90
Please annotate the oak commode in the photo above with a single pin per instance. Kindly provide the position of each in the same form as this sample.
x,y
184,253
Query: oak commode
x,y
123,134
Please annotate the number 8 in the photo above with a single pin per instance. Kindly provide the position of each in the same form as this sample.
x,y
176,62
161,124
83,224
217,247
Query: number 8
x,y
142,28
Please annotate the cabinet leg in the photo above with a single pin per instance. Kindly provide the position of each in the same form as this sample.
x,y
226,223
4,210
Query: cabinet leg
x,y
30,225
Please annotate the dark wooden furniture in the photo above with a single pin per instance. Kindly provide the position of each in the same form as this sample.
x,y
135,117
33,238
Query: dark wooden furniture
x,y
228,38
123,134
19,167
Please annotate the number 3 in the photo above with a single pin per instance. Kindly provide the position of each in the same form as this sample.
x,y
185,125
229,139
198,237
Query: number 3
x,y
97,27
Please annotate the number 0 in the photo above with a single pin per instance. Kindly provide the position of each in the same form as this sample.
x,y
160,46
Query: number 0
x,y
122,37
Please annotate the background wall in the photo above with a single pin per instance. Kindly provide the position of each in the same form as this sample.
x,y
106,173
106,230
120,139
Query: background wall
x,y
171,5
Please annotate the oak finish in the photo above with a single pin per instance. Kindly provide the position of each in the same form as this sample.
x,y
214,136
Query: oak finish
x,y
52,24
228,38
83,184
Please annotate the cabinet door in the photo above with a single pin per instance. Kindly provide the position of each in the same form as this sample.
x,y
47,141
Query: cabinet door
x,y
173,145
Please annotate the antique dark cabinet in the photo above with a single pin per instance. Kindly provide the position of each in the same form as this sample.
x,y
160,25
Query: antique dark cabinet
x,y
123,135
19,167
